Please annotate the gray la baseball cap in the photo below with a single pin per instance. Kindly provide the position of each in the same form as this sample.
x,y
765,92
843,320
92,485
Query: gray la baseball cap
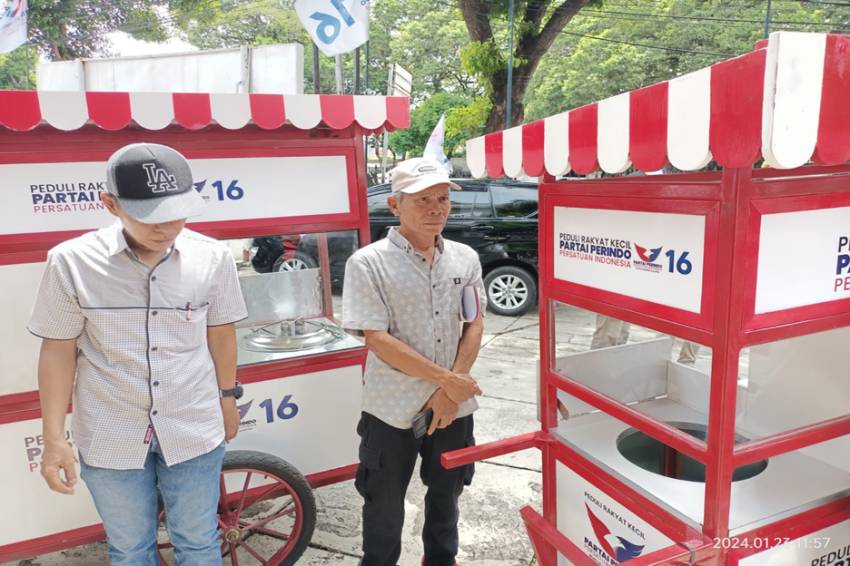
x,y
153,183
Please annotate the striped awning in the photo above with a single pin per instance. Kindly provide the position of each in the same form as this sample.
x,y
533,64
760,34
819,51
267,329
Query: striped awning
x,y
25,110
788,101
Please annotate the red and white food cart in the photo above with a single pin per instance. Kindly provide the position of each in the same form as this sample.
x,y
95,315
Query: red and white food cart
x,y
741,455
276,171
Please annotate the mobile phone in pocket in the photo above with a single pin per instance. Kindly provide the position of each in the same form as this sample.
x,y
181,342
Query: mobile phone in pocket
x,y
421,422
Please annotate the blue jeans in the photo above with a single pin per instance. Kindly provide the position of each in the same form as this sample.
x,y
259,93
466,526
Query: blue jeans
x,y
128,505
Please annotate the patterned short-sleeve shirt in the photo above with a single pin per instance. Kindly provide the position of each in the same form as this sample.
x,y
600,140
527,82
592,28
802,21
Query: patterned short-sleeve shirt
x,y
143,365
390,286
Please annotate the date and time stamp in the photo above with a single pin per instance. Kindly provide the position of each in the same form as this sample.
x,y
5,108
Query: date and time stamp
x,y
765,542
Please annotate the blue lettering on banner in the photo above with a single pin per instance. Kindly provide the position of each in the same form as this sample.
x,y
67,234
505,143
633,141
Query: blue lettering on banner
x,y
842,266
329,26
285,409
618,253
66,197
232,192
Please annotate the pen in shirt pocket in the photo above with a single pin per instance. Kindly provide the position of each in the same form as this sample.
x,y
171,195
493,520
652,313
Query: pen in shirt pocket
x,y
188,311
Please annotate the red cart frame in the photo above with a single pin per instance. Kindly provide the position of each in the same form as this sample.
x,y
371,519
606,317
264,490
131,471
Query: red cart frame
x,y
86,127
785,102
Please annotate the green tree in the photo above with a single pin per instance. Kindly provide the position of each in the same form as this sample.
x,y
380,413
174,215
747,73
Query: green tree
x,y
423,118
620,47
467,122
538,23
70,29
424,37
253,23
429,43
261,22
17,70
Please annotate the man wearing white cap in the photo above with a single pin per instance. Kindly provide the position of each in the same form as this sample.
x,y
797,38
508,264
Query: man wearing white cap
x,y
137,321
418,300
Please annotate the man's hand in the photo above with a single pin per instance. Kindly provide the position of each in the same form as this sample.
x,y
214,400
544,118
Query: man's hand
x,y
59,466
459,387
231,418
445,410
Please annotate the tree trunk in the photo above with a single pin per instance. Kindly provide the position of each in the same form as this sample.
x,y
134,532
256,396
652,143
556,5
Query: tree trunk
x,y
522,76
496,119
530,49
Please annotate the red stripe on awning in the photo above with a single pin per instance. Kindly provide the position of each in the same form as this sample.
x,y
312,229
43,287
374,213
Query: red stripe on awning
x,y
583,139
109,110
19,110
267,110
833,145
192,111
493,154
737,91
398,112
337,111
532,148
648,127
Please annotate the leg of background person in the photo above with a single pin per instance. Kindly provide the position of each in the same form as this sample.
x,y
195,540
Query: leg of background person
x,y
127,503
689,352
609,332
623,337
439,534
387,459
190,493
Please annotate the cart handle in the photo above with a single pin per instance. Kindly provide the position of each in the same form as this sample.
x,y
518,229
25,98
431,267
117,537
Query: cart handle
x,y
465,456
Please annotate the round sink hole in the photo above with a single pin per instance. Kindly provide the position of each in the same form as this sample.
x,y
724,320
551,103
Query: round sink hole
x,y
653,456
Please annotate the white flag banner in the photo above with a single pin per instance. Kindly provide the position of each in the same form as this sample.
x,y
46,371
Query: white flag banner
x,y
13,24
336,26
434,147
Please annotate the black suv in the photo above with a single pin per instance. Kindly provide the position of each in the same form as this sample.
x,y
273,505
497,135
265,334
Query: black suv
x,y
496,219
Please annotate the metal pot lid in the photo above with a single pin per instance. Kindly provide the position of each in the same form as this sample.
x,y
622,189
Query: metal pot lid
x,y
291,336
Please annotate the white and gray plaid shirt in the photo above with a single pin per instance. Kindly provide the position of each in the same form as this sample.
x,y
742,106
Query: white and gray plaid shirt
x,y
390,286
143,366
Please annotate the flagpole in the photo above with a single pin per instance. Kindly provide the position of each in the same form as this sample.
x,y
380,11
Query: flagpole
x,y
357,71
338,73
317,84
29,66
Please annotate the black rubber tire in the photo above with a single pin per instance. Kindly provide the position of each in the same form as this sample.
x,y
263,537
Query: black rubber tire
x,y
307,260
240,459
526,278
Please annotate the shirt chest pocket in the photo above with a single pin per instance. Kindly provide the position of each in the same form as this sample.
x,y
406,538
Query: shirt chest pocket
x,y
451,291
187,325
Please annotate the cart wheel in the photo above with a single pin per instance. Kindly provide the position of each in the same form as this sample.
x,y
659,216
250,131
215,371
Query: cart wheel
x,y
266,515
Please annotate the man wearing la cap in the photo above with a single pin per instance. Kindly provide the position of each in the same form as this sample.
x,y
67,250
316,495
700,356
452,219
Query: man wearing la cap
x,y
405,294
141,313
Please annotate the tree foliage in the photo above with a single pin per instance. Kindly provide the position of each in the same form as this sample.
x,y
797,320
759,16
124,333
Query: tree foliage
x,y
464,119
537,25
616,49
70,29
566,52
17,70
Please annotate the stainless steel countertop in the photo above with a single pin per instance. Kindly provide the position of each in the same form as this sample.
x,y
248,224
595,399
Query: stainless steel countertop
x,y
790,483
247,357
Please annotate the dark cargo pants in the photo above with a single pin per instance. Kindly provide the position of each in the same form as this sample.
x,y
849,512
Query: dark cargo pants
x,y
387,459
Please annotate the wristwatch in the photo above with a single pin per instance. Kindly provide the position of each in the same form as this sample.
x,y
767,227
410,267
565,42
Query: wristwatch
x,y
236,392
